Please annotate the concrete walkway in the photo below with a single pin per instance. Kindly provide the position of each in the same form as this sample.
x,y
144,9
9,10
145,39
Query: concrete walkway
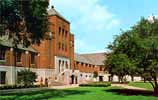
x,y
65,87
126,86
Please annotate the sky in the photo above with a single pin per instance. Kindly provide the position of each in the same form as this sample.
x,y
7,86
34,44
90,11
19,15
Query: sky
x,y
95,23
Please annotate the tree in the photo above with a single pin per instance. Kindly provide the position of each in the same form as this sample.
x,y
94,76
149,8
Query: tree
x,y
141,47
26,77
118,64
95,74
26,22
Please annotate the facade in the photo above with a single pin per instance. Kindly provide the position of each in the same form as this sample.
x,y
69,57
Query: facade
x,y
86,66
26,58
54,59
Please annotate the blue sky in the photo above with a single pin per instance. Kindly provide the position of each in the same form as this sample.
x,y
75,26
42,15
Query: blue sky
x,y
96,22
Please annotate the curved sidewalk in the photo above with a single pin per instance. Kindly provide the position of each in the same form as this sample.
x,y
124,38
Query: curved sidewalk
x,y
126,86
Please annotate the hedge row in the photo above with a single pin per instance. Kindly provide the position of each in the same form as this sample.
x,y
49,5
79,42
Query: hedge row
x,y
97,84
17,87
43,96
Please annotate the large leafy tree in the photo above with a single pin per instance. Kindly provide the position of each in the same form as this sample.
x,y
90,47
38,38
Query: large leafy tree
x,y
118,64
25,20
141,47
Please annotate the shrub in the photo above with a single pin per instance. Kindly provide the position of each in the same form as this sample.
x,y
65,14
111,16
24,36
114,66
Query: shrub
x,y
26,77
8,97
97,84
4,87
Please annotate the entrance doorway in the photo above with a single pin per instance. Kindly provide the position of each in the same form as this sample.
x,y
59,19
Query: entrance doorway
x,y
100,78
2,77
72,79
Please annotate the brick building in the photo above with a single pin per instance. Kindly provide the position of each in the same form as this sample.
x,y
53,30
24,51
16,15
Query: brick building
x,y
54,59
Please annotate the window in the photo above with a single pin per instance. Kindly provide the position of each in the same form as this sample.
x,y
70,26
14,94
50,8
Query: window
x,y
65,47
66,65
2,53
18,57
2,77
65,34
62,46
59,30
59,45
100,68
86,65
59,65
32,58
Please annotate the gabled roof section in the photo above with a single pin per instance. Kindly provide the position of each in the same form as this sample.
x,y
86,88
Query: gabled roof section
x,y
94,58
79,58
53,12
4,41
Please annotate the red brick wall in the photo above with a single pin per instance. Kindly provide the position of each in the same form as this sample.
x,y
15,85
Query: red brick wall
x,y
87,68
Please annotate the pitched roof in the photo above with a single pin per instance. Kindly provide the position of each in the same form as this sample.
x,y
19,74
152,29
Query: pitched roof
x,y
93,58
80,58
53,12
8,43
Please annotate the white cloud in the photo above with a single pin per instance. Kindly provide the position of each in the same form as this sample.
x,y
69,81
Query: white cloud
x,y
88,18
81,45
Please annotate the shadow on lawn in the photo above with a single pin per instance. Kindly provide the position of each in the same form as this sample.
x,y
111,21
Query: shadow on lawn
x,y
46,94
131,92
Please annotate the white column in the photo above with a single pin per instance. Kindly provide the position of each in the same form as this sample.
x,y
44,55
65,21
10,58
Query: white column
x,y
11,76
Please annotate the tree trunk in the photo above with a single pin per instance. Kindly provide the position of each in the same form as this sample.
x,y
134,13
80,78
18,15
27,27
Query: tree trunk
x,y
156,86
132,78
119,79
144,80
156,90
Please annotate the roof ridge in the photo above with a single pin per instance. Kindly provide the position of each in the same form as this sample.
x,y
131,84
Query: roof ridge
x,y
53,11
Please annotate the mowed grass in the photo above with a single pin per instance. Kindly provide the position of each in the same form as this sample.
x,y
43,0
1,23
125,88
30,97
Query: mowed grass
x,y
81,93
146,85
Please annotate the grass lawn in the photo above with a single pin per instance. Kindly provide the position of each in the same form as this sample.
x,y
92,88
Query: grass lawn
x,y
82,93
146,85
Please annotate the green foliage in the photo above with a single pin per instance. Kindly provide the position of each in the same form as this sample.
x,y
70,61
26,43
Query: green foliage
x,y
119,64
81,93
5,87
140,46
26,77
95,74
26,16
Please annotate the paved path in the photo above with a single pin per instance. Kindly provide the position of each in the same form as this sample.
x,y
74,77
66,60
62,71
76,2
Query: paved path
x,y
127,86
65,87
